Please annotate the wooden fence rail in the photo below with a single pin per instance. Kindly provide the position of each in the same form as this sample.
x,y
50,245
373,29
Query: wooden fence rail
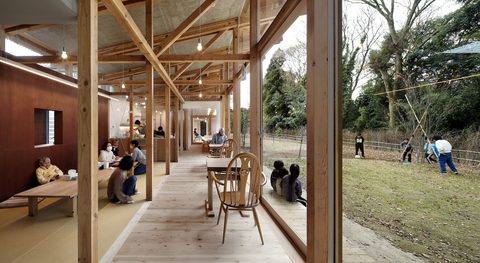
x,y
460,156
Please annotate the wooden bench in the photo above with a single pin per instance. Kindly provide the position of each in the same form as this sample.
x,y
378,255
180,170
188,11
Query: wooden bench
x,y
59,189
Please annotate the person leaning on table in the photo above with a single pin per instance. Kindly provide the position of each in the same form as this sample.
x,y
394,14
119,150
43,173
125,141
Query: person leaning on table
x,y
120,188
47,172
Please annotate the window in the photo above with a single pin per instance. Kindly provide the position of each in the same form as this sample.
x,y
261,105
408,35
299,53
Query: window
x,y
48,127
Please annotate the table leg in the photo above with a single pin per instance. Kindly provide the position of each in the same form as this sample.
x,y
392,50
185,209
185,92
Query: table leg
x,y
72,206
33,206
209,202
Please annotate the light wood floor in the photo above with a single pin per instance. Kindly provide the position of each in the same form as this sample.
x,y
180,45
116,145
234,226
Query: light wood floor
x,y
175,226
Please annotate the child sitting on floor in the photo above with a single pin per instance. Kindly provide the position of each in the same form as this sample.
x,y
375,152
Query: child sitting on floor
x,y
277,174
292,187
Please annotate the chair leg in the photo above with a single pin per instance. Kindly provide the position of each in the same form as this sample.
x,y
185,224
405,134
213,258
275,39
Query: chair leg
x,y
258,224
220,212
225,227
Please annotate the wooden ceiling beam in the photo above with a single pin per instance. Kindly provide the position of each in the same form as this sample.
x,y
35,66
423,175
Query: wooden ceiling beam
x,y
119,59
191,34
205,48
120,13
141,70
185,25
18,29
204,99
159,81
102,10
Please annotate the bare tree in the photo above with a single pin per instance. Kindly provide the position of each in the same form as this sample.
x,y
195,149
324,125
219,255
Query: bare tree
x,y
397,37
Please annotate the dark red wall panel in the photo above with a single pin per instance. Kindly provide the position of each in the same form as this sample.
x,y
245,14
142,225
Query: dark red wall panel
x,y
20,93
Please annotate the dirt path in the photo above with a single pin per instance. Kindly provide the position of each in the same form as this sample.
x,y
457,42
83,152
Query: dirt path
x,y
378,247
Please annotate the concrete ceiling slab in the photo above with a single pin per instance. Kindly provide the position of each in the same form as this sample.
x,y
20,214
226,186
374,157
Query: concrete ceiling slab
x,y
38,12
168,15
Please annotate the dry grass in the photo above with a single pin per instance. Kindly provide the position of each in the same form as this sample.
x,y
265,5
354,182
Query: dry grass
x,y
416,208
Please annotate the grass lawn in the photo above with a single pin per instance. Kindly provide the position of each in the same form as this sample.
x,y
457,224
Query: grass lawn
x,y
416,208
432,215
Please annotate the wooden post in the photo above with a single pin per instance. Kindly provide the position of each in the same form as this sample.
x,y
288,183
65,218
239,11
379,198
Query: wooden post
x,y
209,132
167,128
175,119
150,102
227,100
191,126
324,131
236,92
131,124
255,82
87,131
185,129
182,121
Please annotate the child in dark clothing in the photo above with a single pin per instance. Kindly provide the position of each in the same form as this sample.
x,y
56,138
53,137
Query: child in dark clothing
x,y
407,149
292,187
359,144
277,174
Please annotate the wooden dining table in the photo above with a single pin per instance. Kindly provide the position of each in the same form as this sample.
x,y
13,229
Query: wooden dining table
x,y
214,165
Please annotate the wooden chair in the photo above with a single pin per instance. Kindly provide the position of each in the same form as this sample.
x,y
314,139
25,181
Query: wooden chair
x,y
229,149
240,187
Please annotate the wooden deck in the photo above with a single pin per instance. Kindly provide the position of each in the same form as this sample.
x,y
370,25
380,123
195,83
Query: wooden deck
x,y
175,226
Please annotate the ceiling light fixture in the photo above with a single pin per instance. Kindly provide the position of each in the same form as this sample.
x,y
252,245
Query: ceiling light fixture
x,y
64,53
199,46
123,64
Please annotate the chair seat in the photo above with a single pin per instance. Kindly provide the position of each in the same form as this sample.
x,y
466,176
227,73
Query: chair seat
x,y
226,198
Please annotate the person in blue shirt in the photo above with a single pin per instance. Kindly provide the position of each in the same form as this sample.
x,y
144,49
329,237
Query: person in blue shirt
x,y
430,151
407,148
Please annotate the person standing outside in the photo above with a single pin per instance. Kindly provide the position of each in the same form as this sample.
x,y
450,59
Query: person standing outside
x,y
407,148
359,140
430,151
444,150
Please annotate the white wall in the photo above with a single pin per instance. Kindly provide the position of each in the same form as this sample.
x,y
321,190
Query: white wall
x,y
200,108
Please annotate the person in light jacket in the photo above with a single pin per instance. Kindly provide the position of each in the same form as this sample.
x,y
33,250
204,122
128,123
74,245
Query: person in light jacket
x,y
47,172
444,152
106,154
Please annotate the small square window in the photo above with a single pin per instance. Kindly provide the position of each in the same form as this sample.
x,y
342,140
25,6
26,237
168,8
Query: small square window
x,y
48,127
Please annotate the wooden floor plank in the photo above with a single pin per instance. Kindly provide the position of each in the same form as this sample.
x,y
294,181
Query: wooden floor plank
x,y
176,228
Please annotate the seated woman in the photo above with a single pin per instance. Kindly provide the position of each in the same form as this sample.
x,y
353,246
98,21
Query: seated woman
x,y
106,154
120,188
277,174
47,172
139,157
291,186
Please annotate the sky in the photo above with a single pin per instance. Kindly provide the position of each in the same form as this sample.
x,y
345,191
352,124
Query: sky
x,y
289,39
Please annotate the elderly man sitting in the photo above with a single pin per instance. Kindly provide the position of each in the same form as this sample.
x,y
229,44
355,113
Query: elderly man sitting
x,y
220,137
47,172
